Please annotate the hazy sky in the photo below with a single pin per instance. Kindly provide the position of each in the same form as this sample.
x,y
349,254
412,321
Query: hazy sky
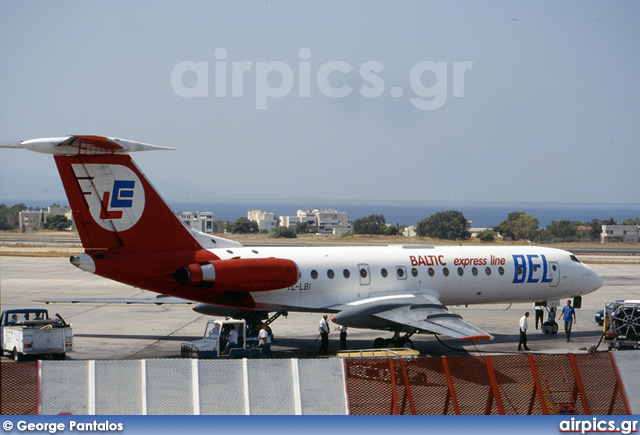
x,y
414,101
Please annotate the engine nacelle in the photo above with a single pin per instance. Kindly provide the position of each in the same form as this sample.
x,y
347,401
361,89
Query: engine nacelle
x,y
240,274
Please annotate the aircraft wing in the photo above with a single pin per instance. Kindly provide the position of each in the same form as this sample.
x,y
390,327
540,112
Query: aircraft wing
x,y
422,311
158,300
438,321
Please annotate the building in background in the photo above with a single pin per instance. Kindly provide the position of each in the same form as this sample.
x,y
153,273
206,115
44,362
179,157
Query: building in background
x,y
266,221
322,221
198,220
410,231
33,219
620,234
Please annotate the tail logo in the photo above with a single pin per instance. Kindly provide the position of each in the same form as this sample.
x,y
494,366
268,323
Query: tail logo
x,y
114,194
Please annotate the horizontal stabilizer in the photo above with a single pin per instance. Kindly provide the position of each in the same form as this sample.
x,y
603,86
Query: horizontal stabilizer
x,y
76,145
10,145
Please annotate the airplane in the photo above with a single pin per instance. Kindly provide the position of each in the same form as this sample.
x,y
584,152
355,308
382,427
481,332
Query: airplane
x,y
130,235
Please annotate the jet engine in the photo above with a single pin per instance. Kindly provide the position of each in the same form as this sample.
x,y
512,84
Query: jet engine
x,y
240,274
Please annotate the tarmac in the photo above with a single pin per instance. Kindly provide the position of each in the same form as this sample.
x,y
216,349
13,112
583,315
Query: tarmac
x,y
119,331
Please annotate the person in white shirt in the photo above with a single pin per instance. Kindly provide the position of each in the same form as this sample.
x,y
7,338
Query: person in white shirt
x,y
538,307
523,332
232,340
264,340
343,336
323,328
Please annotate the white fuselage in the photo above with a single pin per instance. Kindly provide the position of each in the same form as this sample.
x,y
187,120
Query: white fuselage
x,y
331,277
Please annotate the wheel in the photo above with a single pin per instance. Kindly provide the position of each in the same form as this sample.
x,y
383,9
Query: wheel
x,y
389,343
17,356
406,343
554,328
378,343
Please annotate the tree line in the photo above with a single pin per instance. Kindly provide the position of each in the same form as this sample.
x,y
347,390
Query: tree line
x,y
452,225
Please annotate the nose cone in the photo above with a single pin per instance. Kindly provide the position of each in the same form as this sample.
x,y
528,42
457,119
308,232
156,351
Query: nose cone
x,y
594,281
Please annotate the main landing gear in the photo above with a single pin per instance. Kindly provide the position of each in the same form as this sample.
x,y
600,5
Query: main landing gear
x,y
397,341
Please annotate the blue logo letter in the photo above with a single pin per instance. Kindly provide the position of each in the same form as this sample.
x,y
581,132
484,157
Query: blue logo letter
x,y
122,189
532,267
545,270
519,263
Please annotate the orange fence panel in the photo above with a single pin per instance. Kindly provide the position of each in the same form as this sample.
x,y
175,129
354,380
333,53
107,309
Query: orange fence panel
x,y
505,384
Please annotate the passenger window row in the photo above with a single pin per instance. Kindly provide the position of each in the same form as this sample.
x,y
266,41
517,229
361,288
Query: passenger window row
x,y
401,272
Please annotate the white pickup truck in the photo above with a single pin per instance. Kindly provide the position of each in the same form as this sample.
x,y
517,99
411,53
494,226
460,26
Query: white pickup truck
x,y
30,332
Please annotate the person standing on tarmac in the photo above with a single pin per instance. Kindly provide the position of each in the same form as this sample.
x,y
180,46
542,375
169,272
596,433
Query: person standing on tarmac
x,y
539,310
343,336
323,328
264,341
523,332
568,314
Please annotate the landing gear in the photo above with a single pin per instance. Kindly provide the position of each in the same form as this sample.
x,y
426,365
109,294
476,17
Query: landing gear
x,y
550,327
275,316
379,343
406,343
396,341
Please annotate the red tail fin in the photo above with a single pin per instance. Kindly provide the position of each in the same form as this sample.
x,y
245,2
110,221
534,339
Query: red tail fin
x,y
114,205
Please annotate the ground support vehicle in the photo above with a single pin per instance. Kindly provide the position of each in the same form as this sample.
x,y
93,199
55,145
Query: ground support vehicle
x,y
216,337
621,327
30,332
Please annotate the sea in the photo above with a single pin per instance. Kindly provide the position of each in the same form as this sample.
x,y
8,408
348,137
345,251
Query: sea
x,y
481,215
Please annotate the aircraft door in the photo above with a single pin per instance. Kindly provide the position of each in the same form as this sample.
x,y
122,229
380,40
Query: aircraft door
x,y
365,275
554,274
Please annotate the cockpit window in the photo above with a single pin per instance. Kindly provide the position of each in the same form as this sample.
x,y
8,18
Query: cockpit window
x,y
574,258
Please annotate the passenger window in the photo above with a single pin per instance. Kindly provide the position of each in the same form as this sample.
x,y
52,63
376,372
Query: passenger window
x,y
460,271
474,271
414,272
401,272
519,270
501,270
330,274
383,272
488,271
431,271
346,273
314,274
445,271
363,273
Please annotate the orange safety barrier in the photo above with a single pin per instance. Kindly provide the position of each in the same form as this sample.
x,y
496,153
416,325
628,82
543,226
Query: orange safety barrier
x,y
520,384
